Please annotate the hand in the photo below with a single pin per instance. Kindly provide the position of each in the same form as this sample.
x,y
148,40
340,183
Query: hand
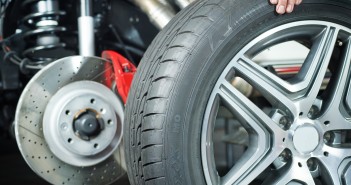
x,y
285,6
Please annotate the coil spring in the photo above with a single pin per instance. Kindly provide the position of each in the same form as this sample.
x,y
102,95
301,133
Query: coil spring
x,y
43,34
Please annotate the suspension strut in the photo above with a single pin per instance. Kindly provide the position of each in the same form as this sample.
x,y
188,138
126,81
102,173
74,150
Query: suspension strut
x,y
86,29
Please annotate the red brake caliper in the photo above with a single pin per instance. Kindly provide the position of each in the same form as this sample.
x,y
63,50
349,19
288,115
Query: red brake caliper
x,y
124,72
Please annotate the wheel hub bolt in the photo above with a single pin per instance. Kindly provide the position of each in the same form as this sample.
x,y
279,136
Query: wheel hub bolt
x,y
284,122
285,155
313,111
328,137
312,164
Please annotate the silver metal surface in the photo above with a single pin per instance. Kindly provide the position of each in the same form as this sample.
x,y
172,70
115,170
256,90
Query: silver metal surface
x,y
62,109
86,29
306,139
242,86
41,99
345,171
44,7
86,8
86,36
296,136
47,6
159,13
183,3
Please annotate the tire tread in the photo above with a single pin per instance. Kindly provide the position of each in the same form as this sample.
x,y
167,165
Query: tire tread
x,y
152,87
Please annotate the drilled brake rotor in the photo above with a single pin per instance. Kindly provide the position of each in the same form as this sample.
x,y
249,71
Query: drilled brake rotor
x,y
69,123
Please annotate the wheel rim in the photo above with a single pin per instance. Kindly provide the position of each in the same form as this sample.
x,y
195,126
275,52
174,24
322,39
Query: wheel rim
x,y
304,137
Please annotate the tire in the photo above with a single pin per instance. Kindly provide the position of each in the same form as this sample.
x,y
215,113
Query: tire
x,y
182,86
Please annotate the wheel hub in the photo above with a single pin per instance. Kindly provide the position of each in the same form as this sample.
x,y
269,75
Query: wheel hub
x,y
88,124
306,139
82,137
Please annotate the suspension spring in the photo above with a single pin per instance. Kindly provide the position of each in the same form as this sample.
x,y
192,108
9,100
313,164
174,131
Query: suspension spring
x,y
43,35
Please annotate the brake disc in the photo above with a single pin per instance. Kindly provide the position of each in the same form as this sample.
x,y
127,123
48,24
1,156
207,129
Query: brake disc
x,y
69,123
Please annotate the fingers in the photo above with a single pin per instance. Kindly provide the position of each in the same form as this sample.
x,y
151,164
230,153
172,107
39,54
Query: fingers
x,y
290,6
285,6
274,1
281,6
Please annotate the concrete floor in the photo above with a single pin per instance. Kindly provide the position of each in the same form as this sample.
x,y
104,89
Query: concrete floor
x,y
14,170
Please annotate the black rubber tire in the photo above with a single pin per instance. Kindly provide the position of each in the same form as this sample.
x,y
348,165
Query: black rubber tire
x,y
169,94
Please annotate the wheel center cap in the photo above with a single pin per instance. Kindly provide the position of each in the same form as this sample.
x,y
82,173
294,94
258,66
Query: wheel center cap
x,y
306,139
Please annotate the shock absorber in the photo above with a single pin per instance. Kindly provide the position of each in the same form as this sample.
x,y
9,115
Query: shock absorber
x,y
42,37
86,29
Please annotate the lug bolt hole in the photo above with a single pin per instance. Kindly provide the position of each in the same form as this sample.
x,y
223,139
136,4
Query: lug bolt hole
x,y
68,112
284,122
301,114
300,165
69,140
285,155
313,112
92,101
96,145
312,164
109,122
328,137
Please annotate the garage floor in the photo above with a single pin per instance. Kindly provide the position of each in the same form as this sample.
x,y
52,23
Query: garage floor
x,y
14,170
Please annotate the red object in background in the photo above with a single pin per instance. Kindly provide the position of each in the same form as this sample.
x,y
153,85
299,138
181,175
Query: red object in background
x,y
124,72
288,70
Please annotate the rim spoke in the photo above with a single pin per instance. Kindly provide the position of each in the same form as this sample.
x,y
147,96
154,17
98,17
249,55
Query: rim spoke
x,y
254,171
337,154
235,100
331,160
274,89
340,83
257,157
294,172
332,113
343,77
315,67
335,121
